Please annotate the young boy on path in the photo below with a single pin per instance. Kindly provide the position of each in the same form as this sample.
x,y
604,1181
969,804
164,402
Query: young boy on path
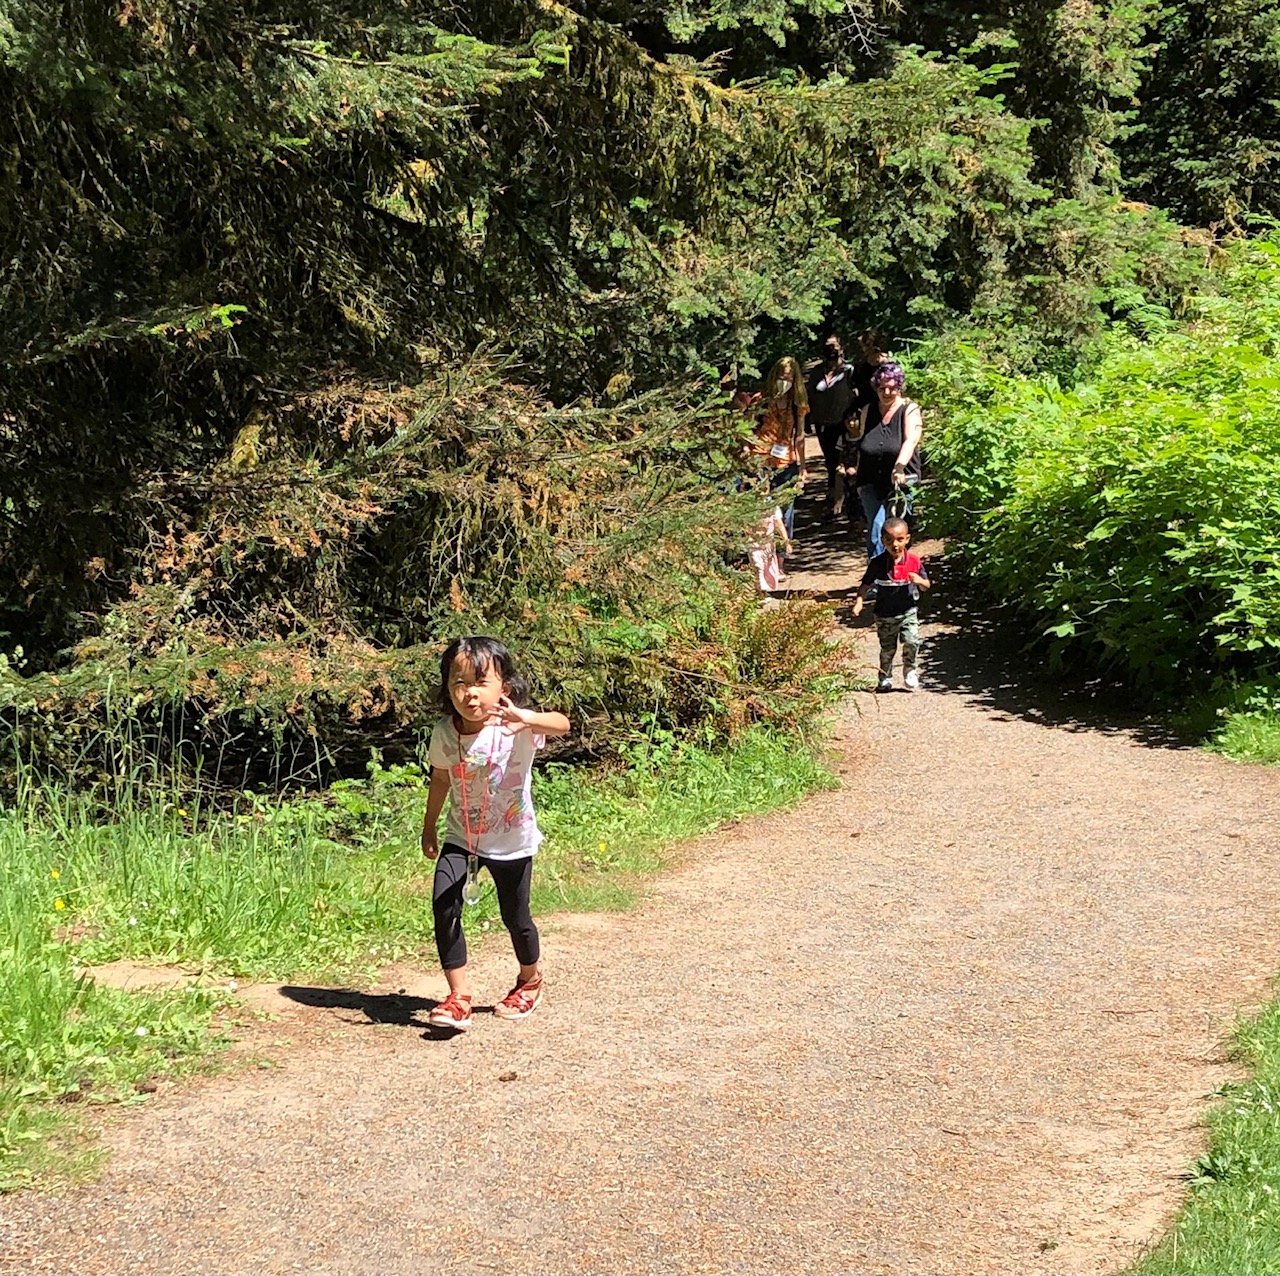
x,y
898,577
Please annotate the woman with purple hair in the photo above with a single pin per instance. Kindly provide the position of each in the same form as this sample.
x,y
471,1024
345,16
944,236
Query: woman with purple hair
x,y
889,450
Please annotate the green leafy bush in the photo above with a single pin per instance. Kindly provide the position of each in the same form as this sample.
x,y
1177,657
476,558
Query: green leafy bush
x,y
1136,516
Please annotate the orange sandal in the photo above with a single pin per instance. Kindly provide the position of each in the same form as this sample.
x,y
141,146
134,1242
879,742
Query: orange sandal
x,y
521,1001
453,1012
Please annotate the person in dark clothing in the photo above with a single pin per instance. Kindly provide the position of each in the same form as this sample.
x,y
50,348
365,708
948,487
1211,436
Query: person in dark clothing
x,y
888,450
831,404
847,471
871,346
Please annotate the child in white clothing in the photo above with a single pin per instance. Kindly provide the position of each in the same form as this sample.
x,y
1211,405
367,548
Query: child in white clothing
x,y
482,757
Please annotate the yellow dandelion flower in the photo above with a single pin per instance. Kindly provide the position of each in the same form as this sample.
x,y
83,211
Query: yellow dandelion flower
x,y
604,846
59,904
182,813
55,873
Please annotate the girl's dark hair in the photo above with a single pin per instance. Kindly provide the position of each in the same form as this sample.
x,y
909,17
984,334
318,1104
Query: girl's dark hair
x,y
482,654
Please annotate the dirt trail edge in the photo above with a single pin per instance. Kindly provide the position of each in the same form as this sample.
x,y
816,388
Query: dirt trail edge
x,y
961,1016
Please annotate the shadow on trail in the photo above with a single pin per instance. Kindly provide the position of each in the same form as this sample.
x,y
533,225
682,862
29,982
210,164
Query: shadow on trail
x,y
984,653
400,1009
394,1008
826,544
982,650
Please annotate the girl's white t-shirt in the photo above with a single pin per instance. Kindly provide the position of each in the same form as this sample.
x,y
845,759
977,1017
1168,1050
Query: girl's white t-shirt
x,y
489,789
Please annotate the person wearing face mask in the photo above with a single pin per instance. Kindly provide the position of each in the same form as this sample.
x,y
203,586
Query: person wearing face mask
x,y
778,446
832,400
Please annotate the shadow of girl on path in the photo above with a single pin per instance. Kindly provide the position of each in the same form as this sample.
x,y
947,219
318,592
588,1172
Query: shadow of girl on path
x,y
400,1009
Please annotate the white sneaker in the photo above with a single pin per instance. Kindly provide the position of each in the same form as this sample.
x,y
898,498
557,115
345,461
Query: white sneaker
x,y
885,684
911,681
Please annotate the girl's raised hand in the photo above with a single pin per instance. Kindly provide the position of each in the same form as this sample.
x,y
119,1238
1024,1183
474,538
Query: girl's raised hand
x,y
513,718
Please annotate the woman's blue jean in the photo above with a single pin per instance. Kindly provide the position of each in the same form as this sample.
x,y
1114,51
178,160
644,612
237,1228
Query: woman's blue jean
x,y
780,478
873,508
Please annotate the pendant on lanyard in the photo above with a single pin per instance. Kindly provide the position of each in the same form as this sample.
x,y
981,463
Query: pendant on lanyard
x,y
472,889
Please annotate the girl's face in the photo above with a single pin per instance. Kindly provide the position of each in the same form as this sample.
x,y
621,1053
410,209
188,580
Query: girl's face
x,y
474,696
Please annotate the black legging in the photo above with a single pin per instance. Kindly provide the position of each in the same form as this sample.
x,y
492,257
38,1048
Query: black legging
x,y
830,438
511,877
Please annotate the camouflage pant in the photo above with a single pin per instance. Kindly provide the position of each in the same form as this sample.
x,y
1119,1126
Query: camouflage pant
x,y
890,629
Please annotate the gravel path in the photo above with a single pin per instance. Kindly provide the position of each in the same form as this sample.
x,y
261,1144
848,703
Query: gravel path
x,y
961,1015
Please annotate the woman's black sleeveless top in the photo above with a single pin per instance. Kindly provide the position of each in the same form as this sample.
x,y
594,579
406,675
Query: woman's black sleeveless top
x,y
879,447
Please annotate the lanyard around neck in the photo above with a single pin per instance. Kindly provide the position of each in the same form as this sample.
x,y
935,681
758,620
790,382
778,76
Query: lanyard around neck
x,y
484,797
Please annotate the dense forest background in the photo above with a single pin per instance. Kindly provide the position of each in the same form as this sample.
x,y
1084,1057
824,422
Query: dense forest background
x,y
334,331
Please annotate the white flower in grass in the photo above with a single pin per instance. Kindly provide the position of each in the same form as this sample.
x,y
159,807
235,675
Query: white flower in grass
x,y
139,1032
232,985
173,912
133,921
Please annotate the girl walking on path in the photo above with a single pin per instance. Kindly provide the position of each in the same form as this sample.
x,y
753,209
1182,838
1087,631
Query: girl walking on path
x,y
764,553
778,446
481,757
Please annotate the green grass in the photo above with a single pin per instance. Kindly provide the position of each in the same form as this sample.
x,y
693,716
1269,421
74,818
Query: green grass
x,y
1231,1222
329,887
1239,720
1251,736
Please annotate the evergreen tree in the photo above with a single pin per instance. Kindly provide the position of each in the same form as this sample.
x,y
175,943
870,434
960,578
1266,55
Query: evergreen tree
x,y
333,329
1075,73
1208,142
